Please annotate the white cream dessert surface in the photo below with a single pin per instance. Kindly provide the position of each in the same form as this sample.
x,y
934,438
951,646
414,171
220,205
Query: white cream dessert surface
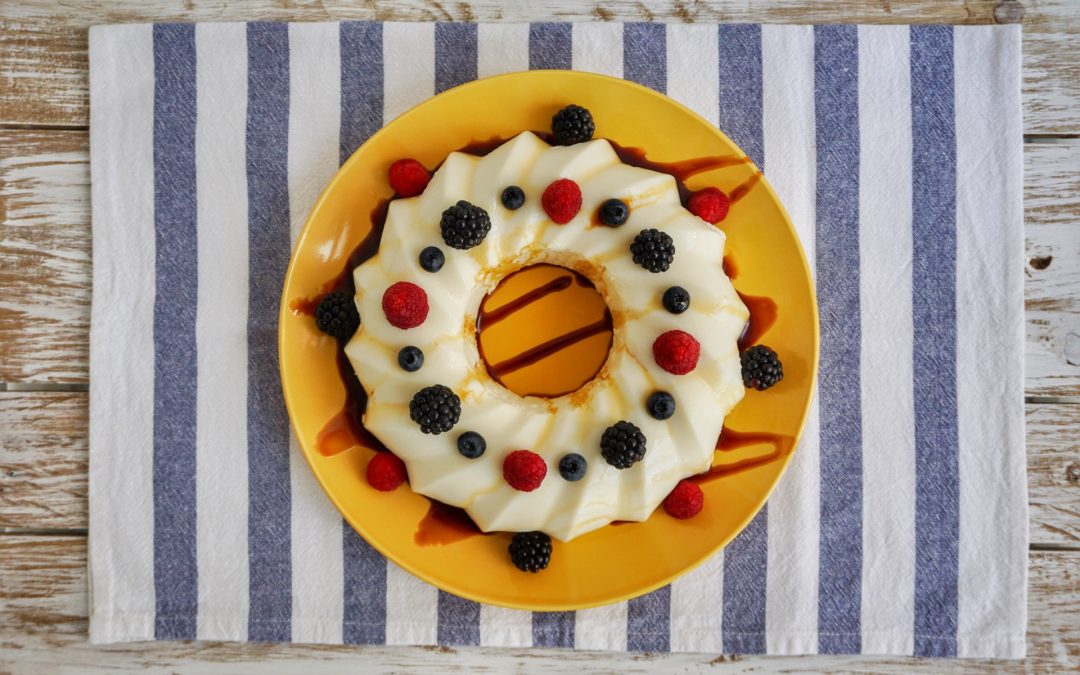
x,y
676,448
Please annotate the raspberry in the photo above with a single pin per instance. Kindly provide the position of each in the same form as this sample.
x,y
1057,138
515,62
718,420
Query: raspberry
x,y
572,124
385,472
685,501
676,351
710,204
562,200
530,551
524,470
405,305
336,315
408,177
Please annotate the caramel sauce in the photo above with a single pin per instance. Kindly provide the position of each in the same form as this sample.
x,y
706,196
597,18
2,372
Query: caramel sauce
x,y
731,269
444,524
745,187
731,440
546,349
305,306
762,317
488,318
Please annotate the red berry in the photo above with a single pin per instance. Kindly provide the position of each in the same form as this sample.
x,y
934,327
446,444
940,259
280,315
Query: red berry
x,y
562,200
710,204
685,501
405,305
408,177
524,470
676,351
385,472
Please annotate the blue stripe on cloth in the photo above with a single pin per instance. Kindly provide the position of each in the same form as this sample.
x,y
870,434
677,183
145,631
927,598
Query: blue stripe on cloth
x,y
645,54
176,585
836,98
364,568
550,46
648,622
455,54
458,620
269,519
746,557
933,276
553,629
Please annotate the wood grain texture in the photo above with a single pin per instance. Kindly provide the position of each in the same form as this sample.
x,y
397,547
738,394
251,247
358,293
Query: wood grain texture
x,y
43,628
43,61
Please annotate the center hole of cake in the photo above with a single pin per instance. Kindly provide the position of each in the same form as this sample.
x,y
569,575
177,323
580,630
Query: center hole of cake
x,y
544,331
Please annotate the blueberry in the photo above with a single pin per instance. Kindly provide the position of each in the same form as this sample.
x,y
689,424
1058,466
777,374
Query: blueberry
x,y
432,259
471,444
410,359
614,212
513,197
661,405
572,467
676,299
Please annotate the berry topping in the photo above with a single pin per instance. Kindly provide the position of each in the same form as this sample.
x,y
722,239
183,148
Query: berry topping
x,y
513,197
572,467
685,501
562,200
436,409
661,405
432,259
411,359
676,299
385,472
654,250
524,470
530,551
405,305
572,124
408,177
464,225
471,444
614,212
676,351
710,204
761,368
622,445
336,315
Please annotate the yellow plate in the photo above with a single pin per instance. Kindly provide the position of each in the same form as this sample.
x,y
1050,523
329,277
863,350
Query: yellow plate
x,y
615,562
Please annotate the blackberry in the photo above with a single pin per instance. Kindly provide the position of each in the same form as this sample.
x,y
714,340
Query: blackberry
x,y
432,259
661,405
654,250
761,368
530,551
471,444
464,225
572,124
676,299
411,359
436,409
622,445
572,467
614,212
336,315
513,197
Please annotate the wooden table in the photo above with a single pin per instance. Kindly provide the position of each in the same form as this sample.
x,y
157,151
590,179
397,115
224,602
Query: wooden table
x,y
45,315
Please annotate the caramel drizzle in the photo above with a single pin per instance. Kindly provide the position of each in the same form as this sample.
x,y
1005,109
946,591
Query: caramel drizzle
x,y
488,319
745,187
552,346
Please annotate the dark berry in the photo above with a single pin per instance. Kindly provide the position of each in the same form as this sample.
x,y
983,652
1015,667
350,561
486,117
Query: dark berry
x,y
513,197
614,212
761,368
336,315
654,250
471,444
572,467
661,405
572,124
530,551
622,445
676,299
432,259
464,225
436,409
411,359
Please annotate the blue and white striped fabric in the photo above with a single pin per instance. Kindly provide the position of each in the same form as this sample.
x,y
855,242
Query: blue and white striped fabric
x,y
901,526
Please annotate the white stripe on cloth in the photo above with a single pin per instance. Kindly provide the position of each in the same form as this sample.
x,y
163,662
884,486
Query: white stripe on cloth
x,y
408,66
502,627
412,609
314,126
992,602
695,599
601,627
122,601
598,48
693,68
885,230
221,330
501,48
